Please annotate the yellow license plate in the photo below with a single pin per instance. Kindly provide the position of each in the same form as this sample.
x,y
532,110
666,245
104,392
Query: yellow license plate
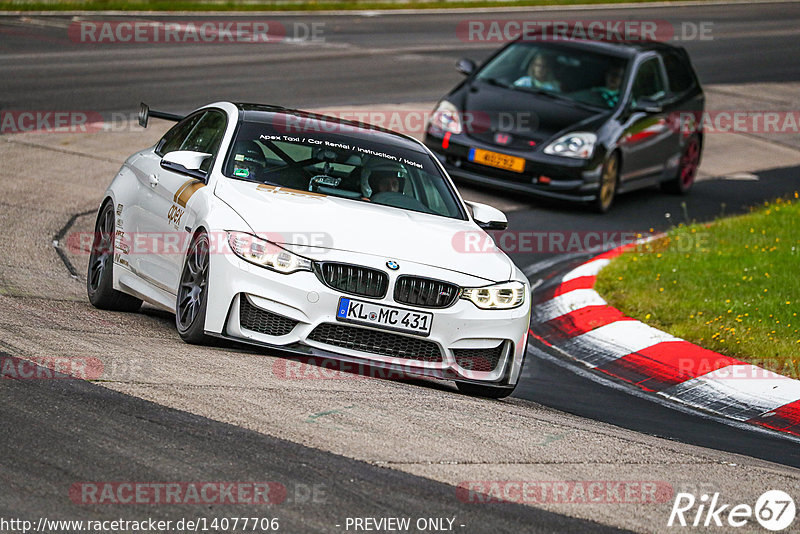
x,y
495,159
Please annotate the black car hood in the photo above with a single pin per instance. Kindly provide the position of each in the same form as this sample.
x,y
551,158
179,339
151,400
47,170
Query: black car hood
x,y
525,115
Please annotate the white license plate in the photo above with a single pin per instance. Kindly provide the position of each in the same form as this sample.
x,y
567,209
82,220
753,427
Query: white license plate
x,y
388,317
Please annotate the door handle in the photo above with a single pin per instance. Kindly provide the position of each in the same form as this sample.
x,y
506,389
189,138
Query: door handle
x,y
153,180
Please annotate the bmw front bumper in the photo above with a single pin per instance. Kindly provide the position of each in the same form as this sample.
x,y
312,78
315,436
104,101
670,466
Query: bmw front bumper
x,y
297,313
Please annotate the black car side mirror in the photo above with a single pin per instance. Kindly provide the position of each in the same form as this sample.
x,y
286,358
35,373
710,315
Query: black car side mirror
x,y
648,105
465,66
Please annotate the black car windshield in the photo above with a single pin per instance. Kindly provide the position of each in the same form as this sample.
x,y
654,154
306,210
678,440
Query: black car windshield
x,y
572,73
345,166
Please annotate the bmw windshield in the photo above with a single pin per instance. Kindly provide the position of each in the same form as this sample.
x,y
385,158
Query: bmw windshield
x,y
345,166
569,73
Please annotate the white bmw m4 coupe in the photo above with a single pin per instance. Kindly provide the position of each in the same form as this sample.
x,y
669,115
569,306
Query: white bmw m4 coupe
x,y
314,235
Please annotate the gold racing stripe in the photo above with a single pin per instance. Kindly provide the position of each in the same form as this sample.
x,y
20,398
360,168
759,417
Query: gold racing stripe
x,y
181,188
280,190
186,191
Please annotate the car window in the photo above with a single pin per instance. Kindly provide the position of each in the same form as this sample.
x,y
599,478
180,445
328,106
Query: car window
x,y
201,132
206,136
294,151
649,82
340,165
176,135
679,74
433,196
566,72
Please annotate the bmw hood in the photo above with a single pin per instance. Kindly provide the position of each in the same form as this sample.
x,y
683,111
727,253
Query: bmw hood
x,y
318,223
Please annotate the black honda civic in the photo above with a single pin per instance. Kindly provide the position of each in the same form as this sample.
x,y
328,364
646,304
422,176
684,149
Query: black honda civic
x,y
573,120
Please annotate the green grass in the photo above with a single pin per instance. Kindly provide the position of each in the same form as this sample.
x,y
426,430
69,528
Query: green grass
x,y
732,286
278,5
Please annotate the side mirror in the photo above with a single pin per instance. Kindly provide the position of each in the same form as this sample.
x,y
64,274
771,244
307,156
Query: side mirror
x,y
487,217
648,105
465,66
186,162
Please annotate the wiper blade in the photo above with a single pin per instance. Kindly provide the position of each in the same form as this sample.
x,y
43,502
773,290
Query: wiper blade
x,y
538,91
583,105
561,97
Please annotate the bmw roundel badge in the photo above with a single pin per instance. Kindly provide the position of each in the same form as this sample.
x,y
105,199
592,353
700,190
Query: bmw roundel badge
x,y
393,265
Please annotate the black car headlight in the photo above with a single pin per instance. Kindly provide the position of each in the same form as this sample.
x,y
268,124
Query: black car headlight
x,y
446,118
266,254
503,296
573,145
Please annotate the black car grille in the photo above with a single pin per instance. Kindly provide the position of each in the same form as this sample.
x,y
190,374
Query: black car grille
x,y
353,279
515,141
376,342
483,360
258,320
425,292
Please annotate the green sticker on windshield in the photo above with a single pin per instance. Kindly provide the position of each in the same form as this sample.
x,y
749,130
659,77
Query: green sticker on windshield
x,y
242,173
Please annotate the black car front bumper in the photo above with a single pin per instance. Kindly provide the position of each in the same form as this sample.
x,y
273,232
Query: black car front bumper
x,y
564,178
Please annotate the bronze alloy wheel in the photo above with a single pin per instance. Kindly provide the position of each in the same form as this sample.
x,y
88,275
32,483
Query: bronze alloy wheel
x,y
608,184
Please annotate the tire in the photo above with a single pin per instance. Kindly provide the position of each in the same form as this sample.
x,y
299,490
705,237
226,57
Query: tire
x,y
687,168
100,274
489,392
609,180
192,299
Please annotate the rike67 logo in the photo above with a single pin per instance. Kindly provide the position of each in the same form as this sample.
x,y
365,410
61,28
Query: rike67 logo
x,y
774,510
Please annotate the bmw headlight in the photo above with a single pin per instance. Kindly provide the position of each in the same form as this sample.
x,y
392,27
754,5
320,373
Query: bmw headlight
x,y
446,118
573,145
266,254
504,296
